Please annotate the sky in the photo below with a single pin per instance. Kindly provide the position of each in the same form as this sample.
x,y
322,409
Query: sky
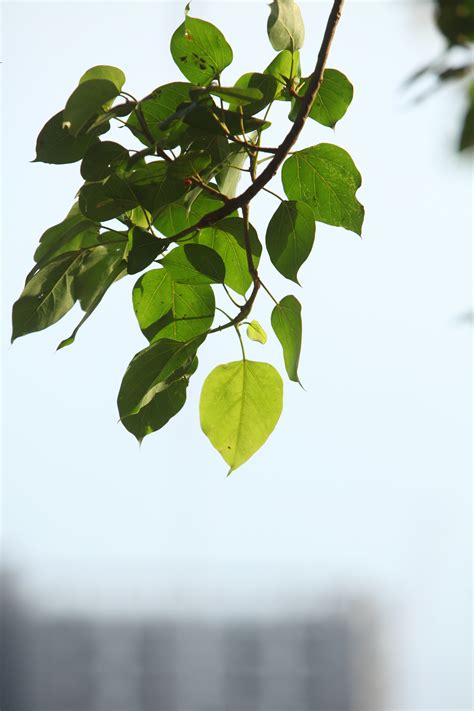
x,y
363,491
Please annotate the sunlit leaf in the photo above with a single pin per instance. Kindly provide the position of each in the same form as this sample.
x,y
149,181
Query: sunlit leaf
x,y
326,179
332,100
105,71
200,50
227,239
266,84
166,309
256,332
240,405
285,67
194,264
86,102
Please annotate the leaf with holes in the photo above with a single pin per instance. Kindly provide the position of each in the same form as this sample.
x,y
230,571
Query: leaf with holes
x,y
200,50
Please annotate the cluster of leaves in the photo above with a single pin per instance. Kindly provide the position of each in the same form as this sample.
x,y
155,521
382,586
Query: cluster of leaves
x,y
455,20
171,204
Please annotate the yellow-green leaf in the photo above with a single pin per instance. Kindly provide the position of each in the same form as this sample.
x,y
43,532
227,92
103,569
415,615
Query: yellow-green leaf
x,y
241,403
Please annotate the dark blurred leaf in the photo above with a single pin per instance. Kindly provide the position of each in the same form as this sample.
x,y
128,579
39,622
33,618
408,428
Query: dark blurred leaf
x,y
101,159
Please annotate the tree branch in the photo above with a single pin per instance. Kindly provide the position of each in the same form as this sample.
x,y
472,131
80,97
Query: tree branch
x,y
288,142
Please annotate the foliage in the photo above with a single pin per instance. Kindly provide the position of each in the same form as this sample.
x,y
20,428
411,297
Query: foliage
x,y
168,207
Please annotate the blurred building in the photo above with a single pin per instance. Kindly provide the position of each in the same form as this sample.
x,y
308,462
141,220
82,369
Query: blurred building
x,y
61,664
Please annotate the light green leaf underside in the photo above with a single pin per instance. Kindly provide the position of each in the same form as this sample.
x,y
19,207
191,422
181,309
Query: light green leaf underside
x,y
240,405
200,50
285,25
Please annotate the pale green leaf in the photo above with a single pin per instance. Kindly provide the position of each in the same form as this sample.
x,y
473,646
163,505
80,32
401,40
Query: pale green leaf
x,y
332,100
240,405
285,25
256,332
86,102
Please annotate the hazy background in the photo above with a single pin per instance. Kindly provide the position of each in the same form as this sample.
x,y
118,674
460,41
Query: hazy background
x,y
363,492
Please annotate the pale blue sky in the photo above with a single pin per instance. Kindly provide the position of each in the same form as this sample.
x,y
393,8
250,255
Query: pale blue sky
x,y
363,491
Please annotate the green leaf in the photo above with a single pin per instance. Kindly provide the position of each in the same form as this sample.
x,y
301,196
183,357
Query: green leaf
x,y
47,296
56,145
194,264
290,237
188,165
70,235
106,200
143,249
285,67
285,25
209,120
177,216
286,323
100,269
227,239
241,403
326,179
86,102
256,332
104,71
101,159
149,370
332,100
266,84
200,50
237,95
166,309
159,411
96,268
156,109
153,186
